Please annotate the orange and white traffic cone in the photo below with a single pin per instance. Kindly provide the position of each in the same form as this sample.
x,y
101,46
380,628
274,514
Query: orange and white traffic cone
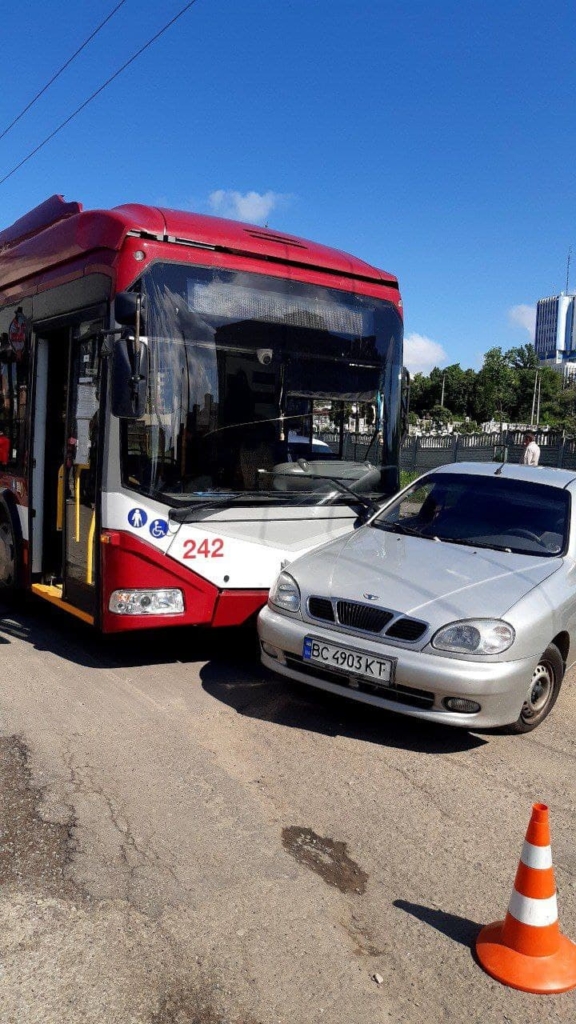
x,y
527,950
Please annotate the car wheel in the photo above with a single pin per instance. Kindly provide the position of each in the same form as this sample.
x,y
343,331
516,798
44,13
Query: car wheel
x,y
544,689
7,555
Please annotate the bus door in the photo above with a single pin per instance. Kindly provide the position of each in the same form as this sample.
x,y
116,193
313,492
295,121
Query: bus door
x,y
66,428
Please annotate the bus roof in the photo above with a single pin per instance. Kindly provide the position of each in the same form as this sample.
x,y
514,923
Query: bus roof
x,y
57,231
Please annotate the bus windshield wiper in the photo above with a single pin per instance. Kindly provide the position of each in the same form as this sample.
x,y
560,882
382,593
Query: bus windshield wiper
x,y
216,502
367,503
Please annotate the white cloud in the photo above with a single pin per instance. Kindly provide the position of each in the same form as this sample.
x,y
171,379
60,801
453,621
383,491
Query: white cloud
x,y
249,206
421,354
523,316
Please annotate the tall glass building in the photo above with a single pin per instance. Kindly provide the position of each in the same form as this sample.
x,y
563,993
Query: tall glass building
x,y
555,336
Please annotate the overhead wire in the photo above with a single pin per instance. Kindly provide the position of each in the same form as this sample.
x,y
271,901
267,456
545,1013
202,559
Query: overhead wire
x,y
98,91
60,70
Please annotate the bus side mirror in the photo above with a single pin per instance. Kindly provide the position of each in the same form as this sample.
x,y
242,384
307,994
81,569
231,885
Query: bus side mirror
x,y
405,403
129,310
129,378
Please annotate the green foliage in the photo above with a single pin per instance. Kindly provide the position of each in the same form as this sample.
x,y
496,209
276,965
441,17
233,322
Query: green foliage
x,y
440,415
503,389
407,476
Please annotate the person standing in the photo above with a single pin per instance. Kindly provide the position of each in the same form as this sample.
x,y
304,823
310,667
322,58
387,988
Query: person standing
x,y
531,451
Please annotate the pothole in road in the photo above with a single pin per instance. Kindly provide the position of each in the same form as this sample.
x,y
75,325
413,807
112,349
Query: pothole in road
x,y
327,857
33,853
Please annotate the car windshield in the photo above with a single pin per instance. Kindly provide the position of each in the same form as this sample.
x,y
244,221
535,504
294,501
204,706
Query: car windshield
x,y
245,370
482,511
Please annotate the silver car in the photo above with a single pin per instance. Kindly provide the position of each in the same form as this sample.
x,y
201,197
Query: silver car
x,y
455,602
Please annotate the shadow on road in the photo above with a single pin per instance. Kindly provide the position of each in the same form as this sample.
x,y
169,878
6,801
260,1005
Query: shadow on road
x,y
257,693
461,929
232,674
49,629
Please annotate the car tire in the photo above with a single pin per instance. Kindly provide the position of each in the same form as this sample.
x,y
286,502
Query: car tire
x,y
544,689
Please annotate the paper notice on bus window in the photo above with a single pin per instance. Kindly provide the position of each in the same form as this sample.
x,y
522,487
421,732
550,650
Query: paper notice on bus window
x,y
82,452
86,402
86,409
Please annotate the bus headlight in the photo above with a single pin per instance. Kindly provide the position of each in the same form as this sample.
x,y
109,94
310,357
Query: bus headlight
x,y
147,602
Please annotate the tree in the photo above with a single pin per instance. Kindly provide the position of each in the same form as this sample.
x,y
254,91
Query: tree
x,y
440,415
495,387
422,394
455,387
523,357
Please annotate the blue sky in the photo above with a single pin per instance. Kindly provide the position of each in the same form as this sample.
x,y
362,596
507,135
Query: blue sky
x,y
434,139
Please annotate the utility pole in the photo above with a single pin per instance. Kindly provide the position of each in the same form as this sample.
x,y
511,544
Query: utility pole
x,y
536,391
538,402
443,387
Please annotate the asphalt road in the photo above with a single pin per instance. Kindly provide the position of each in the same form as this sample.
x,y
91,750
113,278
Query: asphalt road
x,y
186,840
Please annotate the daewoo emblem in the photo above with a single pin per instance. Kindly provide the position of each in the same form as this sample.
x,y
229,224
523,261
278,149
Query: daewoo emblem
x,y
370,597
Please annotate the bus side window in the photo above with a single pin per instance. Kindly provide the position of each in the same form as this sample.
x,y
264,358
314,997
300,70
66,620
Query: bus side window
x,y
15,322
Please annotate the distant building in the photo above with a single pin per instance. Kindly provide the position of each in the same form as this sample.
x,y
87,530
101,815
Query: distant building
x,y
555,337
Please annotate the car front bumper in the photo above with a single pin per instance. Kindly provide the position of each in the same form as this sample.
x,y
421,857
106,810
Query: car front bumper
x,y
422,680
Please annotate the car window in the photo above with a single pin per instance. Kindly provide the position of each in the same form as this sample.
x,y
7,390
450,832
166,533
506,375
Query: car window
x,y
484,511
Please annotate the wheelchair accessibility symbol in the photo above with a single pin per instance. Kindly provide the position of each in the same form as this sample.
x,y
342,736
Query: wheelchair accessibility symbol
x,y
158,528
137,518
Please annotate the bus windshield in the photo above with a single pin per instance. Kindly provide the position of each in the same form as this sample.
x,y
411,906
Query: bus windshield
x,y
245,370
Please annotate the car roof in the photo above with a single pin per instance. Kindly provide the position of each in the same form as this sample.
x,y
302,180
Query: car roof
x,y
512,471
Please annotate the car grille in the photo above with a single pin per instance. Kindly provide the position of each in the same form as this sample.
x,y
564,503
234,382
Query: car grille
x,y
398,694
366,618
321,608
362,616
407,629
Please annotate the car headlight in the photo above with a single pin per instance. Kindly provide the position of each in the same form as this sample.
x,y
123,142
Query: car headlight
x,y
475,636
285,593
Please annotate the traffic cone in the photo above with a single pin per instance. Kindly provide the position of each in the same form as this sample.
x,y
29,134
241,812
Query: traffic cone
x,y
527,950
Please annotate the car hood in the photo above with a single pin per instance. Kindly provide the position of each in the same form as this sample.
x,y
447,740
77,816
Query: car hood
x,y
431,580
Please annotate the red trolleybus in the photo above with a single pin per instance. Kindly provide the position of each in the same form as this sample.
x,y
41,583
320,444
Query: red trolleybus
x,y
162,378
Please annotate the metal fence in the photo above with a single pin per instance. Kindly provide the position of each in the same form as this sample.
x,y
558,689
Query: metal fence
x,y
421,453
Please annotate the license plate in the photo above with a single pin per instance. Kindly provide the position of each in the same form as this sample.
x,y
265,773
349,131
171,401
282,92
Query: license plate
x,y
379,671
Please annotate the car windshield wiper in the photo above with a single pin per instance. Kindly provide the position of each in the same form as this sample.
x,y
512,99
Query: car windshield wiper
x,y
410,531
401,527
471,543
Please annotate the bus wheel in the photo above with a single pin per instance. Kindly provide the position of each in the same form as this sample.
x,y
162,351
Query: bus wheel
x,y
7,554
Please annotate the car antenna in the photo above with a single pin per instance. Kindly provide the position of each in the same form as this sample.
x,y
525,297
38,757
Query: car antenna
x,y
499,470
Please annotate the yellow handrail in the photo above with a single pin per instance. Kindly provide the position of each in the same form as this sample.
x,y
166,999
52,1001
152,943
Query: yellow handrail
x,y
90,551
79,466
